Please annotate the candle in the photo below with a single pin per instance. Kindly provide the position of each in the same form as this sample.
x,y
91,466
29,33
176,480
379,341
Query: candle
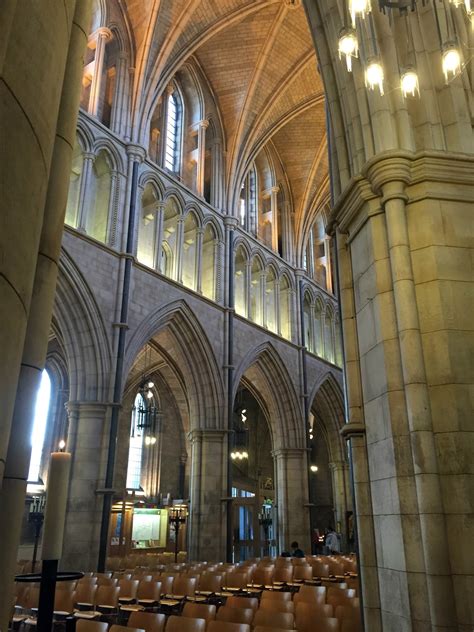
x,y
56,500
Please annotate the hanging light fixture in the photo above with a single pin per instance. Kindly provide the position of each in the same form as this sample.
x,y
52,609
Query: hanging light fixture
x,y
374,75
409,83
451,61
359,9
348,46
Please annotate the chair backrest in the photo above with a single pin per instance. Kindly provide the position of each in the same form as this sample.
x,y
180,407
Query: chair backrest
x,y
166,584
263,575
107,581
33,596
87,581
66,586
183,624
335,567
184,586
338,598
312,623
149,590
199,611
319,569
235,615
285,620
275,595
303,571
349,593
297,561
226,626
277,606
306,612
128,587
265,628
64,601
283,573
313,591
211,582
347,612
86,625
85,593
107,595
242,602
237,579
350,625
123,628
148,621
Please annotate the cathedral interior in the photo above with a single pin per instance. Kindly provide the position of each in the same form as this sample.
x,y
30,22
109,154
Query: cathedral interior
x,y
236,314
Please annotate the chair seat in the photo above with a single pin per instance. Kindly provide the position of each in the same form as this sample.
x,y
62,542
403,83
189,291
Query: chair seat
x,y
173,596
61,613
206,593
134,607
84,604
30,621
197,599
86,614
147,602
224,594
169,602
231,589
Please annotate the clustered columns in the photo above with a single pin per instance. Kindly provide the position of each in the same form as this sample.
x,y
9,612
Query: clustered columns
x,y
88,163
102,36
44,138
201,157
274,211
390,181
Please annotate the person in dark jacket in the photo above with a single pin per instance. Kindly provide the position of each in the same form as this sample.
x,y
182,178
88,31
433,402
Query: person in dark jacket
x,y
297,552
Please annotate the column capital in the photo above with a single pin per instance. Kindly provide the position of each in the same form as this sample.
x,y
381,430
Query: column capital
x,y
231,222
88,155
204,124
289,453
103,32
352,429
207,434
389,170
76,407
136,152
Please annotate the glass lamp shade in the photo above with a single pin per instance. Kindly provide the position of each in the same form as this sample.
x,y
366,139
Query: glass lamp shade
x,y
348,46
451,62
409,83
359,9
374,76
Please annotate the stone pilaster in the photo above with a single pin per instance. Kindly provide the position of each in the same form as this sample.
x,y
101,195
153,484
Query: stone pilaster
x,y
86,442
207,524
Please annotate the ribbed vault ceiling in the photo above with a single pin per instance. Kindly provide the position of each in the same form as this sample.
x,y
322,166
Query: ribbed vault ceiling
x,y
259,60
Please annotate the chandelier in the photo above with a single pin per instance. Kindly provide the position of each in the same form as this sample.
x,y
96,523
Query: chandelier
x,y
357,39
145,413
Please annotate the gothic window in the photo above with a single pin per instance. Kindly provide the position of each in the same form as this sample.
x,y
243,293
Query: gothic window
x,y
248,202
99,192
240,282
270,300
173,132
285,308
39,426
147,227
189,252
72,208
208,281
308,329
168,263
256,292
135,452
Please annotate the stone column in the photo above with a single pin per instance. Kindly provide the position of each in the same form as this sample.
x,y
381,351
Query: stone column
x,y
44,134
277,307
198,267
112,210
216,174
207,519
263,302
84,195
338,474
292,497
200,167
87,442
103,36
248,281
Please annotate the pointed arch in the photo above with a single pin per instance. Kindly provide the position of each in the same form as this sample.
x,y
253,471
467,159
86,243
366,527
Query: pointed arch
x,y
199,369
264,369
77,321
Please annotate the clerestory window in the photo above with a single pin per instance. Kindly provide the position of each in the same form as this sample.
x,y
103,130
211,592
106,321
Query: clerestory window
x,y
173,132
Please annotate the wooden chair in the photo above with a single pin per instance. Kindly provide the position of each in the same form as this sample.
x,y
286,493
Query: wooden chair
x,y
329,624
235,615
210,583
63,604
84,625
148,593
148,621
263,575
225,626
84,597
283,573
271,595
284,620
298,561
347,612
237,580
338,598
199,611
166,584
277,606
349,593
184,586
182,624
265,628
242,602
302,572
128,590
335,567
310,594
124,628
106,599
350,625
307,610
107,581
319,569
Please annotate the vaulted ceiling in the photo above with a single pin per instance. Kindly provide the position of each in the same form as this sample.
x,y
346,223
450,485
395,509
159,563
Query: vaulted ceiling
x,y
259,60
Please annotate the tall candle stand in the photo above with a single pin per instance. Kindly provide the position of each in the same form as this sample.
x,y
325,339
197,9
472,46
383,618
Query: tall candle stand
x,y
177,517
36,518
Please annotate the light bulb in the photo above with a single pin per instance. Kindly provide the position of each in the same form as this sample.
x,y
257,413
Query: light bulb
x,y
147,441
152,440
62,445
245,455
348,46
374,76
451,61
358,9
232,455
409,83
149,394
151,384
314,468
